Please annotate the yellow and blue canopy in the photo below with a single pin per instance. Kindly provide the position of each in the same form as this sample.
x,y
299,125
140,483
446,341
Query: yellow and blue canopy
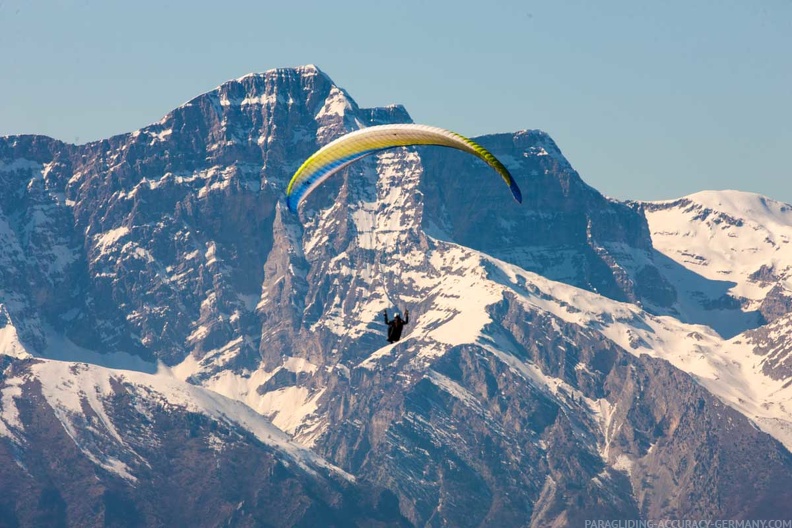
x,y
358,144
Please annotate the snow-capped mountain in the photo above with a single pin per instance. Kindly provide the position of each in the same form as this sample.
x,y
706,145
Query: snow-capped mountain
x,y
738,243
86,445
572,358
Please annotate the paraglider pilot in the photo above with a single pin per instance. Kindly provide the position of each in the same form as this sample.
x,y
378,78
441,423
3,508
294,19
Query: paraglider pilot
x,y
396,325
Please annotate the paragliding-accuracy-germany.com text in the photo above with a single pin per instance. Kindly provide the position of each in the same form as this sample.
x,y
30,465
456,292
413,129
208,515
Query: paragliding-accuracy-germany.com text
x,y
689,523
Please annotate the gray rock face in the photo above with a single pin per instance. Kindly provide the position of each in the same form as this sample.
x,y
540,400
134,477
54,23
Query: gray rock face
x,y
530,389
564,229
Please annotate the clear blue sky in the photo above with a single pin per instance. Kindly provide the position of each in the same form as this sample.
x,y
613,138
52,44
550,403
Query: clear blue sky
x,y
647,99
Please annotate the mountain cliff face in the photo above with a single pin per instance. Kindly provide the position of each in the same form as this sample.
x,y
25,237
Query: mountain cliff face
x,y
129,449
571,358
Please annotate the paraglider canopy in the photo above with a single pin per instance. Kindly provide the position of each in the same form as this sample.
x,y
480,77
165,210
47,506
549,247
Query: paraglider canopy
x,y
358,144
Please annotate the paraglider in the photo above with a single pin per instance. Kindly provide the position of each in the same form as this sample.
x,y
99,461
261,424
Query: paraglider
x,y
356,145
396,325
351,147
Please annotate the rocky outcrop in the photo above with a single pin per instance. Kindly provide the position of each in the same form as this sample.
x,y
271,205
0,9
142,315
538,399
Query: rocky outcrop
x,y
137,458
564,229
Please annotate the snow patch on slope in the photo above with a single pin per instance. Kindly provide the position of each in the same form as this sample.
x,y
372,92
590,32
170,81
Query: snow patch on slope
x,y
726,236
10,344
336,105
109,238
289,408
10,424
